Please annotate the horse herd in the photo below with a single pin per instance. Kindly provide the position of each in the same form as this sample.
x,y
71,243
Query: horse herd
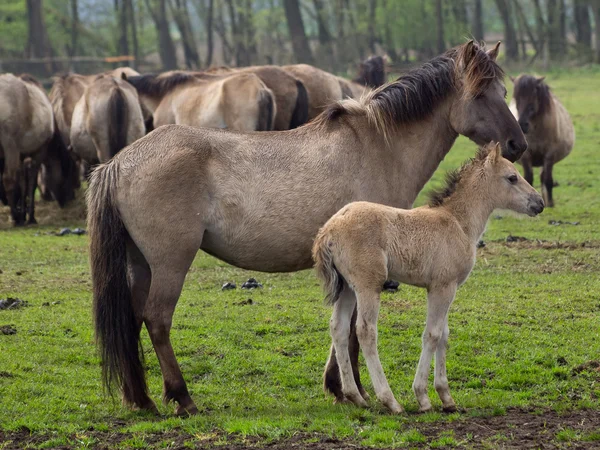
x,y
283,200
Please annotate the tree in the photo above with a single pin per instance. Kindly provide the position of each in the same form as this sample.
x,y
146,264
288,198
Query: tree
x,y
583,27
300,45
73,50
181,14
209,32
510,36
122,19
596,10
557,40
439,18
478,32
166,47
130,11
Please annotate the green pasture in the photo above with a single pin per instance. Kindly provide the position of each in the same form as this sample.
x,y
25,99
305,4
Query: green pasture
x,y
524,330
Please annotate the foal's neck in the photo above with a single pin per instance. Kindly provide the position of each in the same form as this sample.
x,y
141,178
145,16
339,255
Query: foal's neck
x,y
472,208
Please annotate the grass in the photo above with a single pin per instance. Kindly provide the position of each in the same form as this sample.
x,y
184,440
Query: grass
x,y
522,323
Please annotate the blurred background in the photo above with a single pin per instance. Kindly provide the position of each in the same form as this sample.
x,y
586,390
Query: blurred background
x,y
44,37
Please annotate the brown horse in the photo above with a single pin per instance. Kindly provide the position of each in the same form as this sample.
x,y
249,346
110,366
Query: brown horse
x,y
237,101
257,200
28,132
107,118
291,97
432,247
325,88
548,127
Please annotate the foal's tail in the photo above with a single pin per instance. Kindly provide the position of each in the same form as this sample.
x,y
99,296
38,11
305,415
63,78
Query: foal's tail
x,y
118,121
117,332
331,278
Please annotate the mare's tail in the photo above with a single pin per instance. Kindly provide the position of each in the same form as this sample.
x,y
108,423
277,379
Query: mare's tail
x,y
331,278
118,121
117,331
300,113
266,110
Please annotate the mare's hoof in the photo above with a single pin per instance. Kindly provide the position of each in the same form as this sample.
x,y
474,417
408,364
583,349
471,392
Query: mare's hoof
x,y
32,222
391,286
190,410
395,408
450,409
364,395
426,409
357,400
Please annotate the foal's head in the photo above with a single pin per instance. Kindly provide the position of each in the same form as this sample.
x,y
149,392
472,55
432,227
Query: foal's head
x,y
501,182
532,96
480,111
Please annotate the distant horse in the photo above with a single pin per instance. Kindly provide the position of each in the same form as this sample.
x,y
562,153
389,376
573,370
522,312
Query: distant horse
x,y
290,94
107,118
237,101
257,200
431,247
28,132
548,127
325,88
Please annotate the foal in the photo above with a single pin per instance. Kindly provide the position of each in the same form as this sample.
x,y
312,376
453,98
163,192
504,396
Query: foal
x,y
433,247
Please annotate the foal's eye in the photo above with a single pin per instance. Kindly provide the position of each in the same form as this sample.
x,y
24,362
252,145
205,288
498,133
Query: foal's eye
x,y
512,179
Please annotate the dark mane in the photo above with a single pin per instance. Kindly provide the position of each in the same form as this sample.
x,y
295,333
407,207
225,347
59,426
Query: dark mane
x,y
27,78
156,85
454,177
371,72
415,95
525,85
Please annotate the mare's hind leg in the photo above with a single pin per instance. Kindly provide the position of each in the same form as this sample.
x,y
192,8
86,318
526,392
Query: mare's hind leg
x,y
168,275
340,331
3,198
30,175
331,378
10,178
139,277
527,168
547,183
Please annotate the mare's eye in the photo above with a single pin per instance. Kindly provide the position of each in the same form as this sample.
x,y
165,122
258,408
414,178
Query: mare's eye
x,y
512,179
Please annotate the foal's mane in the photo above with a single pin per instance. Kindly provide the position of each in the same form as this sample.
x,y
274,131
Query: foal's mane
x,y
526,84
454,177
415,95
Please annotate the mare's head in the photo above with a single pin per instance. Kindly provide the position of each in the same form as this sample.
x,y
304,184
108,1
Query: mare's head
x,y
532,96
372,72
479,111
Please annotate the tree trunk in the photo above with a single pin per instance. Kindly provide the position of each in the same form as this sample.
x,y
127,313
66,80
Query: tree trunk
x,y
166,47
123,43
73,50
209,33
38,42
439,18
325,54
510,36
556,29
236,33
134,35
459,11
537,45
371,26
596,10
478,32
182,20
300,45
541,31
583,27
248,34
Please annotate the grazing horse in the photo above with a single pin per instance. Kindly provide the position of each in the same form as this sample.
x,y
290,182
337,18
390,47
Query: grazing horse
x,y
28,132
433,247
238,101
290,94
257,200
548,127
325,88
107,118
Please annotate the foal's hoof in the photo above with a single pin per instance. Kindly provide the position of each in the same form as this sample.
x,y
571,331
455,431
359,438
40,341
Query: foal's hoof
x,y
182,411
425,409
394,408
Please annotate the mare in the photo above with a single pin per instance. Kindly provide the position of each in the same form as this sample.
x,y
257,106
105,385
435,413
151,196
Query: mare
x,y
28,132
107,118
257,200
325,88
548,127
433,247
238,101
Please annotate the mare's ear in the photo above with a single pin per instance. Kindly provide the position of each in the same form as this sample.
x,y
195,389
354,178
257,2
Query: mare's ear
x,y
493,53
540,79
467,52
512,78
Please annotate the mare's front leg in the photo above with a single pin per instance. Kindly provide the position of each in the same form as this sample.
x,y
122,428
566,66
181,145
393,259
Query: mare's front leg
x,y
366,330
527,168
439,299
339,326
10,178
547,183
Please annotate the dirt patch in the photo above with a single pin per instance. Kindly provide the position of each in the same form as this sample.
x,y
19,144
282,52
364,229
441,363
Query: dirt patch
x,y
517,429
521,242
8,329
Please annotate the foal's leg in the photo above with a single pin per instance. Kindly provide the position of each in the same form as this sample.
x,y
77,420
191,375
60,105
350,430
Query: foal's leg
x,y
167,281
331,377
340,331
439,300
366,329
547,183
441,379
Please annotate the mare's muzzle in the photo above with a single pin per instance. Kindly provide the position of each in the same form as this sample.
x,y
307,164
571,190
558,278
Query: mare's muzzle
x,y
514,148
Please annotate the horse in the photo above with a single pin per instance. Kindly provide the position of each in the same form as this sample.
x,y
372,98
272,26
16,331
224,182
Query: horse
x,y
257,200
107,118
238,101
325,88
28,132
548,127
432,247
290,94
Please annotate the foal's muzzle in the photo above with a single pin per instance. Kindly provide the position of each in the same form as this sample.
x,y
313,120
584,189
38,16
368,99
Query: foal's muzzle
x,y
535,205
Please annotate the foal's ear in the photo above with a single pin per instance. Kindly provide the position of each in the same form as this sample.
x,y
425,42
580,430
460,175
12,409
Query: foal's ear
x,y
495,153
493,53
